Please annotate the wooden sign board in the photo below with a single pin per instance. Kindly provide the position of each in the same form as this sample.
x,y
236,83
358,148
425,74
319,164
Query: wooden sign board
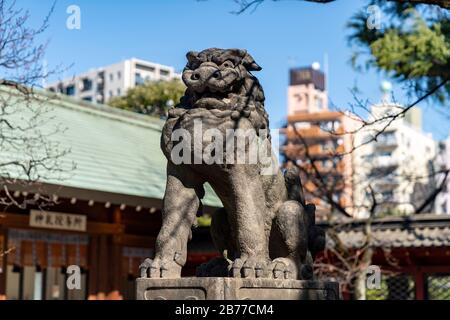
x,y
57,220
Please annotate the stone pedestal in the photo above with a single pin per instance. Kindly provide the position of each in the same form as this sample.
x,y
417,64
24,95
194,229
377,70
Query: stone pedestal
x,y
234,289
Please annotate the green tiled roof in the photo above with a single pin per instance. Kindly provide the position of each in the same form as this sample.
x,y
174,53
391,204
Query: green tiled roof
x,y
114,150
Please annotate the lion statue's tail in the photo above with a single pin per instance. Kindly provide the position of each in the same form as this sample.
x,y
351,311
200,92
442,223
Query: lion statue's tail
x,y
316,235
294,185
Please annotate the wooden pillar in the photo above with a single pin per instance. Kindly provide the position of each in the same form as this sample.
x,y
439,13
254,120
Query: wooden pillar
x,y
99,268
3,263
116,260
93,268
105,261
420,286
104,267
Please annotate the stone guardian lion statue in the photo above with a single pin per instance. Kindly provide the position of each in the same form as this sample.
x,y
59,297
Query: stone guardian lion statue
x,y
265,229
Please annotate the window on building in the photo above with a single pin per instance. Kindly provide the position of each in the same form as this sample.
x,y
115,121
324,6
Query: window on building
x,y
100,81
319,103
87,98
384,153
119,75
306,100
329,145
111,94
336,124
385,172
164,72
327,163
145,68
138,79
86,84
70,90
387,137
118,92
336,196
326,125
111,77
330,126
388,195
302,125
100,99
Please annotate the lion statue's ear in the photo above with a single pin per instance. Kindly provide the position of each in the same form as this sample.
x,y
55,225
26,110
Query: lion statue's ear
x,y
192,57
249,63
246,59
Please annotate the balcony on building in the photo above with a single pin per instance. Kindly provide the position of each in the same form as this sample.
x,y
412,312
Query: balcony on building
x,y
323,150
386,140
383,173
385,160
101,77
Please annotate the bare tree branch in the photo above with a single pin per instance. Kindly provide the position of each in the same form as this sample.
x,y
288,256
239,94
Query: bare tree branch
x,y
245,5
433,195
29,151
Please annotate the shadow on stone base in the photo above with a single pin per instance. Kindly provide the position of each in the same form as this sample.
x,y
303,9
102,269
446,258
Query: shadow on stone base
x,y
234,289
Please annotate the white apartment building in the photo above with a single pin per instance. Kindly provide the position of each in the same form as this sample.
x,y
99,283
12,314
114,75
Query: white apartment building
x,y
101,84
397,168
442,203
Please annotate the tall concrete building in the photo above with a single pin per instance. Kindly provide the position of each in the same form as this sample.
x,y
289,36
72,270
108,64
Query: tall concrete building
x,y
101,84
442,203
316,139
341,164
398,167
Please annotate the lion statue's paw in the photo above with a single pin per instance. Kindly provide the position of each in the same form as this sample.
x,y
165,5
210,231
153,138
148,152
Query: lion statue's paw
x,y
289,268
282,268
159,268
249,267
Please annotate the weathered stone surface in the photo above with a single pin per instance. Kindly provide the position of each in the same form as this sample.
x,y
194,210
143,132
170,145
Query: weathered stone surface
x,y
216,288
265,229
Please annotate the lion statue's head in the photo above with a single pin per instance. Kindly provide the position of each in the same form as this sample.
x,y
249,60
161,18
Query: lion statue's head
x,y
221,79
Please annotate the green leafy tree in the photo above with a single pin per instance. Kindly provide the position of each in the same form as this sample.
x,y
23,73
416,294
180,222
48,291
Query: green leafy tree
x,y
411,44
152,98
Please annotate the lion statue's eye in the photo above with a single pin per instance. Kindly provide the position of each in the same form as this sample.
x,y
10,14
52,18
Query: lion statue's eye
x,y
228,64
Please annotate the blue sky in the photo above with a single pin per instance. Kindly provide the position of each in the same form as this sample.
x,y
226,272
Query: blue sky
x,y
279,35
